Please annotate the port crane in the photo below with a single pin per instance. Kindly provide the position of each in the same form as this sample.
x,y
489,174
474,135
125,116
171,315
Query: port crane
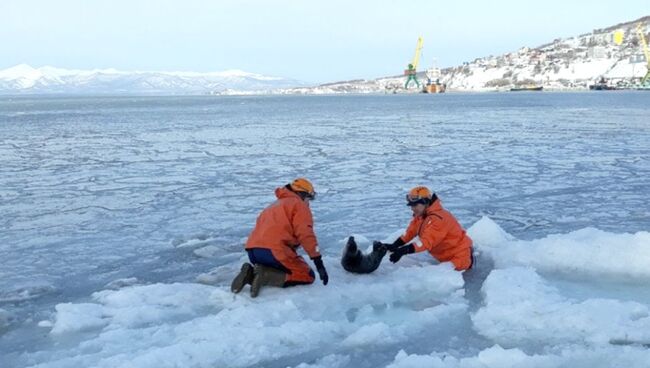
x,y
640,30
411,70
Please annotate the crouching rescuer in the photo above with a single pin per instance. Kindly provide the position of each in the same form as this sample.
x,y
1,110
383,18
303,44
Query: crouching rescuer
x,y
272,246
437,231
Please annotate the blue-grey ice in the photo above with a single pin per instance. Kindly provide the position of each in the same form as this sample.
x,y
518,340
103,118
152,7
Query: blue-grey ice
x,y
123,222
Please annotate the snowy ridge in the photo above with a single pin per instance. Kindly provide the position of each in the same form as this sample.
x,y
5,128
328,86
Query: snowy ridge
x,y
26,79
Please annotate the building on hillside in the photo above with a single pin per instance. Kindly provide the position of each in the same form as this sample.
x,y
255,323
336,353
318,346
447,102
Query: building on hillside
x,y
637,58
597,52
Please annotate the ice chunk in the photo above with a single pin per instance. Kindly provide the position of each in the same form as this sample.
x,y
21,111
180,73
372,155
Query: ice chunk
x,y
586,252
329,361
208,251
190,324
5,319
79,317
45,324
27,292
486,232
522,308
497,357
120,283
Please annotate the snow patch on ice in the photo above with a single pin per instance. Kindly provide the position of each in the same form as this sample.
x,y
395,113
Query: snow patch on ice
x,y
197,240
497,357
78,317
46,324
329,361
486,233
522,308
208,252
494,357
585,252
190,324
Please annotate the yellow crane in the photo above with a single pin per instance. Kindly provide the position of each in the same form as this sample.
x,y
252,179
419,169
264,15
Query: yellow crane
x,y
640,30
411,71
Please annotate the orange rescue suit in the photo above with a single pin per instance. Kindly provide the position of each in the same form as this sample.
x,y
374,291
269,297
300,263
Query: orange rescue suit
x,y
441,235
283,226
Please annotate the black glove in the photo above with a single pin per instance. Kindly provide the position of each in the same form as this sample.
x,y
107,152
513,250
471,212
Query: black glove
x,y
399,252
390,247
320,267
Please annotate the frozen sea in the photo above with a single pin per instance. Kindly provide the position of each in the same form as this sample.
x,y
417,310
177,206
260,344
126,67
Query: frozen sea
x,y
122,222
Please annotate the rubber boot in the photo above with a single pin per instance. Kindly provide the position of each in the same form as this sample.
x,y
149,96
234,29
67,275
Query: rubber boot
x,y
266,276
244,277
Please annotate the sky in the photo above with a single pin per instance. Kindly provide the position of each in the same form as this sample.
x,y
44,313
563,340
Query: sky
x,y
313,41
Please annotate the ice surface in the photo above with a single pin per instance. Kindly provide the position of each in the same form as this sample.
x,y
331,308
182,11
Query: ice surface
x,y
114,208
168,325
394,309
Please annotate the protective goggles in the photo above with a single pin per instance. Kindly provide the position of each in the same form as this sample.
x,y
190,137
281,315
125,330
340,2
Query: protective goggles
x,y
310,195
414,200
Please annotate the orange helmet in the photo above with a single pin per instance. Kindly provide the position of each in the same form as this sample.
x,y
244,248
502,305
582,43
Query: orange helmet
x,y
303,185
419,195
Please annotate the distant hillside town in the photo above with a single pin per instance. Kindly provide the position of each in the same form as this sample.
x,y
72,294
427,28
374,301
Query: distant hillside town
x,y
612,57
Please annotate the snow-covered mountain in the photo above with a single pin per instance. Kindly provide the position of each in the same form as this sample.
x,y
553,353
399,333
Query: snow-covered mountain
x,y
565,63
26,79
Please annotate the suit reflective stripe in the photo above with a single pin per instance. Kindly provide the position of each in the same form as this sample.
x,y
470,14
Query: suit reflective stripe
x,y
417,242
